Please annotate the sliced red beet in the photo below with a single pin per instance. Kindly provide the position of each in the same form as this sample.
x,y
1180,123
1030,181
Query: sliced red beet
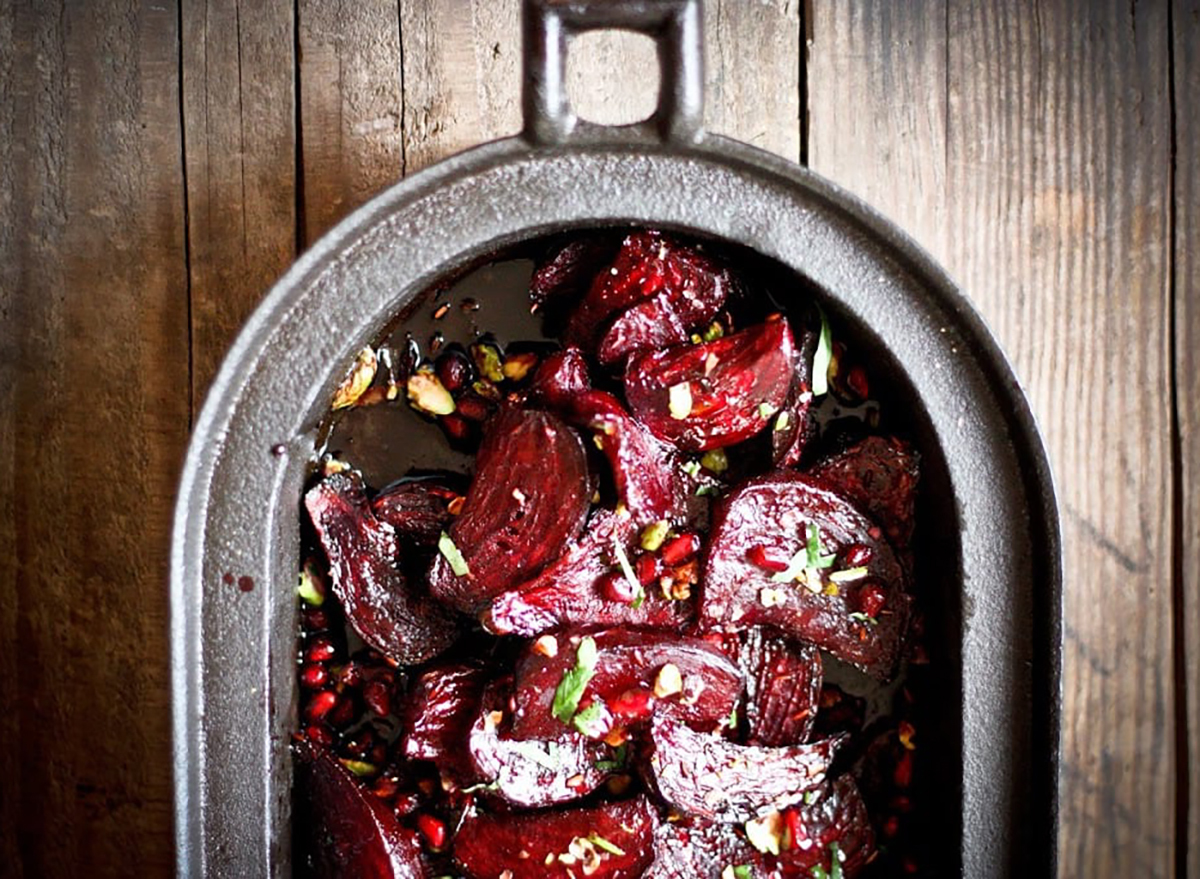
x,y
416,509
879,476
614,841
835,824
706,775
856,611
783,683
379,602
792,427
568,272
529,497
693,848
633,671
533,773
715,394
443,703
569,591
354,833
679,287
559,379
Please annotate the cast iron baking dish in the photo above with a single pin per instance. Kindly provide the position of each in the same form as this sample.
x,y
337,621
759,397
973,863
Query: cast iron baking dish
x,y
986,489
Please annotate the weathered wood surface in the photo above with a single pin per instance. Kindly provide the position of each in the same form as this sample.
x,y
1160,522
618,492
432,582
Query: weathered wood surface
x,y
160,165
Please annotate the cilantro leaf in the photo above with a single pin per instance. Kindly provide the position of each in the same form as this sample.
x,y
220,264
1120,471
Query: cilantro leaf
x,y
574,681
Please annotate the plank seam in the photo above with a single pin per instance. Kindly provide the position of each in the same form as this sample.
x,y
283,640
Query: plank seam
x,y
403,94
805,24
298,130
187,224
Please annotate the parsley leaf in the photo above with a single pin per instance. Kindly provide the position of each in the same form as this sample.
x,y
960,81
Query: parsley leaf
x,y
574,681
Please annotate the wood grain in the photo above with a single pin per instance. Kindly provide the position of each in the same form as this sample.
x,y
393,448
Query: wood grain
x,y
240,146
1185,25
1048,201
350,106
94,416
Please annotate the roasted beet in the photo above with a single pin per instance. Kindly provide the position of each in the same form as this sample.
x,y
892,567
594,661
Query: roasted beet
x,y
567,273
529,497
835,824
614,841
655,291
715,394
569,591
857,612
792,427
705,775
879,476
559,379
354,833
783,682
443,703
379,602
699,849
632,671
417,509
533,773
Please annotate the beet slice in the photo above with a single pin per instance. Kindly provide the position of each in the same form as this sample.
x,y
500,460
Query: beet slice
x,y
627,681
443,703
569,591
765,524
834,824
529,497
793,427
715,394
879,476
533,773
679,287
559,378
783,684
560,844
569,271
705,775
354,833
417,510
379,602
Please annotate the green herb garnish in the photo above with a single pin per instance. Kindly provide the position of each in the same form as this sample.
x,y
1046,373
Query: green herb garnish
x,y
849,575
765,411
639,594
733,718
574,681
310,589
823,357
601,842
450,553
691,468
707,491
588,721
859,617
781,421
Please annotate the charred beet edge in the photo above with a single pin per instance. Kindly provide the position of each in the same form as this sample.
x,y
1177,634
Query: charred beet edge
x,y
654,294
529,497
792,427
633,671
362,551
417,510
879,476
614,841
783,683
355,834
705,775
714,394
443,703
560,767
789,554
569,591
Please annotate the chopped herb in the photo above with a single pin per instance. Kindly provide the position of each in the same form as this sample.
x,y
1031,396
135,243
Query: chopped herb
x,y
679,400
620,756
691,468
714,331
707,490
836,857
795,567
601,842
532,751
715,460
781,421
310,588
590,721
860,617
639,594
849,575
733,718
741,871
765,411
823,357
450,552
810,797
813,547
359,767
574,681
654,534
489,787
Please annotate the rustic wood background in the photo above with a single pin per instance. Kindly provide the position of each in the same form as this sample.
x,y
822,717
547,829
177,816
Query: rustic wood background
x,y
162,163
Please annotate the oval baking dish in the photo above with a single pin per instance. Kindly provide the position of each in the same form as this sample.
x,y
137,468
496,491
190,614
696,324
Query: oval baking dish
x,y
987,488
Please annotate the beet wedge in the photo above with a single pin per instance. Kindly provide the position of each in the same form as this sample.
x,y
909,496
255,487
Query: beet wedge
x,y
705,775
783,684
701,397
569,591
533,773
442,705
529,497
379,602
790,844
354,833
879,476
417,510
792,427
613,841
789,554
559,379
633,671
654,293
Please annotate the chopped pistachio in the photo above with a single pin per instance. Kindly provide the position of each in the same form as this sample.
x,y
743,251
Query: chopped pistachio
x,y
312,585
669,681
691,468
679,400
715,461
517,366
714,332
487,361
769,597
654,534
427,394
765,411
849,575
360,768
766,833
781,421
546,645
357,380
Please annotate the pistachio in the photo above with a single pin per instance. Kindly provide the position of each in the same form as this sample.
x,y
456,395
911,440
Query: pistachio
x,y
669,681
488,361
357,380
428,395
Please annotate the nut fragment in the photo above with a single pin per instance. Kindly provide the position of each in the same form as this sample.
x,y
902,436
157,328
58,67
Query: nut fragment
x,y
669,681
427,394
357,380
546,645
769,597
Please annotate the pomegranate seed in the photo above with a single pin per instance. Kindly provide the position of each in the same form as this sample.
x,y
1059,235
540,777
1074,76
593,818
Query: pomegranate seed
x,y
320,650
318,734
378,696
405,804
891,826
456,426
767,558
315,619
680,549
313,676
633,704
474,408
870,599
386,787
615,587
433,829
903,773
344,714
856,381
794,829
454,370
646,568
857,555
320,705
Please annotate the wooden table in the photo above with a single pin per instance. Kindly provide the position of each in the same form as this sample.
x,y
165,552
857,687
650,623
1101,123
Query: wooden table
x,y
162,163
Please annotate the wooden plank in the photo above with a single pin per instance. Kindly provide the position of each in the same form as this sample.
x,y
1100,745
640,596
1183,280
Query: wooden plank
x,y
240,144
350,106
1186,284
1048,201
94,419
